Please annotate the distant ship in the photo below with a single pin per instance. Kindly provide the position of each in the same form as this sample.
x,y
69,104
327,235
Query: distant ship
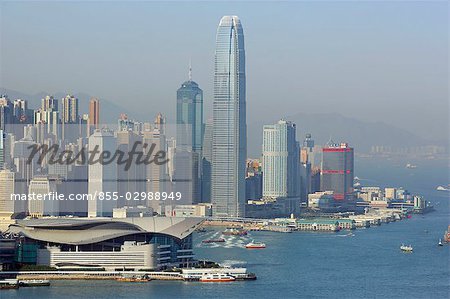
x,y
411,166
440,243
442,188
406,248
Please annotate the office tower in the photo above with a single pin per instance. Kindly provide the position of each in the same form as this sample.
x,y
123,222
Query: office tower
x,y
155,175
102,177
207,161
6,113
43,201
253,180
94,114
190,116
229,113
280,161
6,189
130,177
337,170
189,141
49,103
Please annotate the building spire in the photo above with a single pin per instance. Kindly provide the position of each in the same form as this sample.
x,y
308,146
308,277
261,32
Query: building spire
x,y
190,70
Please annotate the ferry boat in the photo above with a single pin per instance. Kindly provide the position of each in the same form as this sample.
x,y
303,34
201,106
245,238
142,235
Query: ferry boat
x,y
217,277
9,284
406,248
220,240
34,283
255,245
232,231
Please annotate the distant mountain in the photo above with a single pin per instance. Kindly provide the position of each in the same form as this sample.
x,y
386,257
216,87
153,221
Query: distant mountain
x,y
109,111
359,134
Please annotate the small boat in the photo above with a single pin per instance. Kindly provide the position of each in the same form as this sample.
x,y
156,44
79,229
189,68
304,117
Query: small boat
x,y
221,240
9,284
217,277
410,166
406,248
134,278
255,245
440,243
34,283
231,231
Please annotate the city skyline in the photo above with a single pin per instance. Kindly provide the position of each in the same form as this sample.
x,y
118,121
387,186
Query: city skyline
x,y
351,76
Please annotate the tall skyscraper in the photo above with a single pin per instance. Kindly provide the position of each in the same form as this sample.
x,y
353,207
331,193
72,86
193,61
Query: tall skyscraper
x,y
190,116
94,113
337,170
280,161
189,140
229,113
102,178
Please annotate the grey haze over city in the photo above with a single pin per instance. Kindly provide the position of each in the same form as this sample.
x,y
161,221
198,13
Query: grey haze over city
x,y
370,73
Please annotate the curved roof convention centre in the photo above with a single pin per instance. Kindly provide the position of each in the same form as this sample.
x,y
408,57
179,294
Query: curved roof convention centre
x,y
79,231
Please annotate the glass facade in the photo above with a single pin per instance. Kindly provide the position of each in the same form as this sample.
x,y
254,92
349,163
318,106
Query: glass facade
x,y
337,171
229,125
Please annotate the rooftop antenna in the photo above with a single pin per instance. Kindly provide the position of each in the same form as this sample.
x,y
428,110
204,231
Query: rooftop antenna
x,y
190,70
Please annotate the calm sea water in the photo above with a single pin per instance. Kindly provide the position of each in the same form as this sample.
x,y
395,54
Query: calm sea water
x,y
366,264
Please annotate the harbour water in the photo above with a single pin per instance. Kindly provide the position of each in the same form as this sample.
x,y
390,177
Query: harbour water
x,y
367,263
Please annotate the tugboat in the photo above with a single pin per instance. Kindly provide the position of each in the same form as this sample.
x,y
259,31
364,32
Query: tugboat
x,y
405,248
255,245
217,277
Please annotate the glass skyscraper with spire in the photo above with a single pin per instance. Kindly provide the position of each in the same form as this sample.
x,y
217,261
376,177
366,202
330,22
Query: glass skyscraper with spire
x,y
188,151
229,120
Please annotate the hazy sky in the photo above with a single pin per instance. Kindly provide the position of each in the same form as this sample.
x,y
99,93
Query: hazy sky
x,y
375,61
